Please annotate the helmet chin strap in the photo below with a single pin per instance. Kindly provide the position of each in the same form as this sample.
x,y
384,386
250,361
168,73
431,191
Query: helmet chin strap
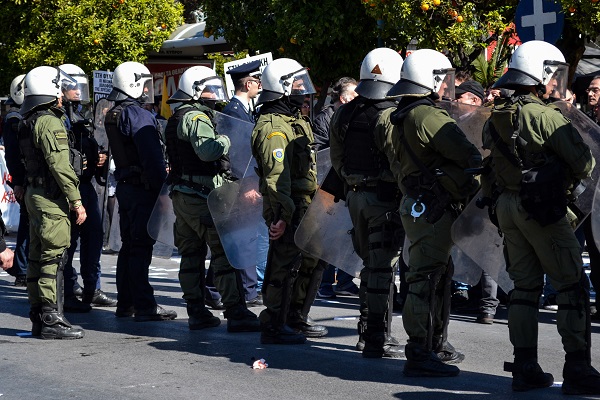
x,y
540,90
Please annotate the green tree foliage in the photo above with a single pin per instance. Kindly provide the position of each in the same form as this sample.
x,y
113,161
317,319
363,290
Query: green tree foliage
x,y
93,34
464,28
331,37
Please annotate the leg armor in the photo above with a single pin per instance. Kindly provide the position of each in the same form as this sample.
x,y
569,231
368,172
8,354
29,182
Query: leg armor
x,y
299,318
523,308
441,346
313,286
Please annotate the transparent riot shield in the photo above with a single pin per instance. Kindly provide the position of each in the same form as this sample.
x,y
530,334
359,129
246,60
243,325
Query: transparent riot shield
x,y
469,118
239,133
478,238
594,216
114,241
465,269
324,232
590,133
237,208
100,109
160,225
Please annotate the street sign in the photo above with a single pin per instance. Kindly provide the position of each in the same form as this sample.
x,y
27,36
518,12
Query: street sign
x,y
539,20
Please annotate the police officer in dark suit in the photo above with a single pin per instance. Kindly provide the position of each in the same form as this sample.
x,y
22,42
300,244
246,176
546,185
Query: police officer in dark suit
x,y
247,85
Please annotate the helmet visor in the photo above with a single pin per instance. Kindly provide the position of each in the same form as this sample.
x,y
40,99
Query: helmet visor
x,y
555,79
213,89
75,87
300,83
443,83
148,90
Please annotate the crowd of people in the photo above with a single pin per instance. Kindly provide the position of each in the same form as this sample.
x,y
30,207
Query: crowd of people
x,y
402,165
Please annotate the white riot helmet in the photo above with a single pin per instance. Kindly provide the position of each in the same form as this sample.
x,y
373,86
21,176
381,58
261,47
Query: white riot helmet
x,y
75,89
41,86
199,83
425,71
284,77
132,80
536,63
16,91
379,71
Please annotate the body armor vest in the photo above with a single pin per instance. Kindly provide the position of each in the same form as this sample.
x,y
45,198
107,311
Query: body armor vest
x,y
357,125
34,160
183,160
123,149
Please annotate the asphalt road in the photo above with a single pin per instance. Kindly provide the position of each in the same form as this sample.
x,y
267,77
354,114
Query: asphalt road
x,y
123,359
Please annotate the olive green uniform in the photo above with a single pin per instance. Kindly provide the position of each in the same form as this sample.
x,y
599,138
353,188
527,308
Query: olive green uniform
x,y
369,198
193,224
534,250
49,224
282,147
437,141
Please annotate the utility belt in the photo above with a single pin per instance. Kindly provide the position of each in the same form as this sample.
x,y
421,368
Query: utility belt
x,y
51,188
386,191
198,187
134,177
432,199
362,188
35,181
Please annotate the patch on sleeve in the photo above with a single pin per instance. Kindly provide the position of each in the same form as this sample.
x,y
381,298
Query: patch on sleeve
x,y
278,155
276,134
61,137
201,115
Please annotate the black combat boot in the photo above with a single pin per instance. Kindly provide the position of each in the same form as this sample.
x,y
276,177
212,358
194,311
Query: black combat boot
x,y
376,339
579,376
377,346
56,326
240,319
73,305
35,315
98,298
527,373
305,324
446,352
199,317
156,313
422,362
280,334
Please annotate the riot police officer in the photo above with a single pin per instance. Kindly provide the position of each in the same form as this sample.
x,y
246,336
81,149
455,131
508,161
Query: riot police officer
x,y
372,194
282,146
75,96
51,193
428,154
199,164
135,143
527,137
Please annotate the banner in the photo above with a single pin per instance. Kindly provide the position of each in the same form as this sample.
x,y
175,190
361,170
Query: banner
x,y
8,204
102,84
